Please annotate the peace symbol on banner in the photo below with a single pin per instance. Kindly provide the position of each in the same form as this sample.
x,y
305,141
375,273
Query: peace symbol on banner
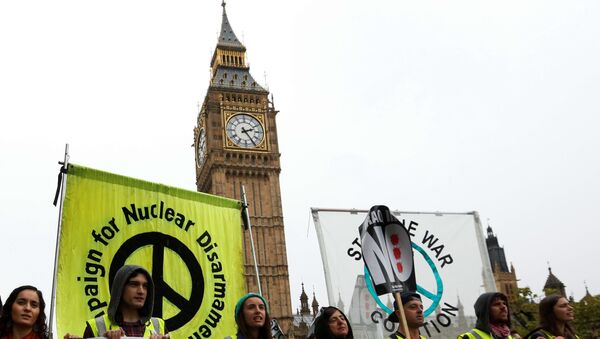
x,y
158,243
435,297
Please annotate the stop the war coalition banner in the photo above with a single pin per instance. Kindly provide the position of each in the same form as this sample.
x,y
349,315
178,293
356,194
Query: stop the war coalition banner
x,y
190,242
451,265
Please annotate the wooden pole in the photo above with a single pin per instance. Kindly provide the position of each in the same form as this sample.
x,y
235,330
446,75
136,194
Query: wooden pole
x,y
401,316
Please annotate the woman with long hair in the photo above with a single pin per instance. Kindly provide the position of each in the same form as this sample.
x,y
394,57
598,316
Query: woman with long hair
x,y
252,317
23,315
332,323
556,315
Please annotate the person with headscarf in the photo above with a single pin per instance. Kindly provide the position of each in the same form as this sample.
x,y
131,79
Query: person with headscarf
x,y
23,315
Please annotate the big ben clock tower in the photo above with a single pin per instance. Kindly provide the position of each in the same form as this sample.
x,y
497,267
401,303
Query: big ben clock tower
x,y
236,143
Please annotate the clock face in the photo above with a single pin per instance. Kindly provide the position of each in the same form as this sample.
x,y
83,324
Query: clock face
x,y
201,148
245,130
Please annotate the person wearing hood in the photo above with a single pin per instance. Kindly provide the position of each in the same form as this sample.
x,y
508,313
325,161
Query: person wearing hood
x,y
252,317
330,323
129,310
413,311
493,318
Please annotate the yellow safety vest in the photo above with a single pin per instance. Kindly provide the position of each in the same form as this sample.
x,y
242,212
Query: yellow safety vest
x,y
397,336
478,334
549,335
101,325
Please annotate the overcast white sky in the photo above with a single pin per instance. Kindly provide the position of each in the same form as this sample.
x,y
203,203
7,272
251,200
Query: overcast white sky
x,y
423,106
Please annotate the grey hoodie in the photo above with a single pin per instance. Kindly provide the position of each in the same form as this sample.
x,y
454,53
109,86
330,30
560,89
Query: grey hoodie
x,y
482,310
116,292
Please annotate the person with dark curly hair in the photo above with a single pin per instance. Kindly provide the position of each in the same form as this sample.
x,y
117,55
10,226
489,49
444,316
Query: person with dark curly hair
x,y
23,315
332,323
556,314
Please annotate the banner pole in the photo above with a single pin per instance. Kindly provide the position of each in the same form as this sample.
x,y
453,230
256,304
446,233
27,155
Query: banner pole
x,y
62,183
249,225
401,316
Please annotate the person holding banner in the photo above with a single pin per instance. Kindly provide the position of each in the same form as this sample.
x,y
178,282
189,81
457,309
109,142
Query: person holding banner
x,y
23,315
413,311
556,314
252,317
331,323
129,309
493,318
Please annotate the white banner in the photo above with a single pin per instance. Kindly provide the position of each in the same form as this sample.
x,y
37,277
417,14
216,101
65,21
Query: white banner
x,y
451,264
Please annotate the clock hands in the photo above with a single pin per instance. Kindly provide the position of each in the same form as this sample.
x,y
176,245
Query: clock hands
x,y
249,137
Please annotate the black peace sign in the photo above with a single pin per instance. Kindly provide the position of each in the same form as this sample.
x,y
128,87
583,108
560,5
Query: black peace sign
x,y
159,241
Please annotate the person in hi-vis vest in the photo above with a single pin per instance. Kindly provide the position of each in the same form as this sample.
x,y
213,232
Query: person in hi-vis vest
x,y
493,318
129,310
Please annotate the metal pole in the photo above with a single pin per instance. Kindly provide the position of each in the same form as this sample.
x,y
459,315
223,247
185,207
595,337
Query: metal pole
x,y
56,250
247,216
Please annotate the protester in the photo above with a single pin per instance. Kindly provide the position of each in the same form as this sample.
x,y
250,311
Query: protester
x,y
413,311
252,317
23,315
556,315
129,310
331,323
493,317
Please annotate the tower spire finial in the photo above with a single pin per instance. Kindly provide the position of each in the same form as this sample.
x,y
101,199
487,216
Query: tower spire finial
x,y
223,4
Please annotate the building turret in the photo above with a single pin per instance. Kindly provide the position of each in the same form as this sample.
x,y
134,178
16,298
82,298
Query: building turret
x,y
462,320
553,285
340,303
304,302
315,305
496,253
506,280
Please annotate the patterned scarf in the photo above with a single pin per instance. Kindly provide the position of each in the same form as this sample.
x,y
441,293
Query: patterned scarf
x,y
500,330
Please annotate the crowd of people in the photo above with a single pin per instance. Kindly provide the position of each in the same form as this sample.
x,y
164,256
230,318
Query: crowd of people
x,y
132,293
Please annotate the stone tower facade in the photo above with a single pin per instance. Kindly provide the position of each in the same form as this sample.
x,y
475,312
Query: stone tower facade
x,y
235,142
506,280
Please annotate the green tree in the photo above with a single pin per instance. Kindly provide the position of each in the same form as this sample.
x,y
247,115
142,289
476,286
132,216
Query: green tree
x,y
587,317
524,311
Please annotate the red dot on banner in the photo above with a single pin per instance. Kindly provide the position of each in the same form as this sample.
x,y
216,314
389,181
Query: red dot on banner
x,y
394,239
400,268
397,253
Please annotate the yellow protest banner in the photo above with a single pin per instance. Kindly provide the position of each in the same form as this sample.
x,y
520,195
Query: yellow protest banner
x,y
190,242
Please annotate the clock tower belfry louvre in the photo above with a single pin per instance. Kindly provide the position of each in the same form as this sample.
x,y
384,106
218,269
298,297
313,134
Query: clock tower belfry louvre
x,y
235,143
